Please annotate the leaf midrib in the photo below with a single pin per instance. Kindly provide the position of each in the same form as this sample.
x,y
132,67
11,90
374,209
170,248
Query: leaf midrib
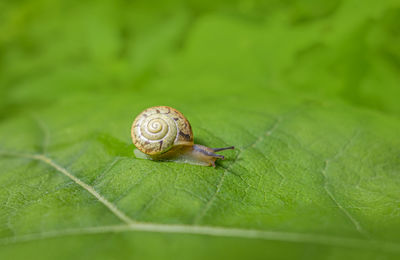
x,y
214,231
132,225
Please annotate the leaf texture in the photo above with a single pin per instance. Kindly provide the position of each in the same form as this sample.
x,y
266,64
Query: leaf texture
x,y
307,92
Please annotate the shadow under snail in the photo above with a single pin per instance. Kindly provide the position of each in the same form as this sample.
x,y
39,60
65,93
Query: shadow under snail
x,y
162,133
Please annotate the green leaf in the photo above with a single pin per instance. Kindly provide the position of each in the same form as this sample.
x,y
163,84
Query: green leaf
x,y
306,92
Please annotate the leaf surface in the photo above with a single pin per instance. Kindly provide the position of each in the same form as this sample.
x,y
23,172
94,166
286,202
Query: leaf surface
x,y
306,92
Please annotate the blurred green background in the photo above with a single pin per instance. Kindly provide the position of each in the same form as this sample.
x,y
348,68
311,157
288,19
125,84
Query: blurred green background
x,y
308,92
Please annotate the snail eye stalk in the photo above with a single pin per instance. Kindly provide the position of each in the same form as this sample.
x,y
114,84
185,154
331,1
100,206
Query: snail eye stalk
x,y
224,148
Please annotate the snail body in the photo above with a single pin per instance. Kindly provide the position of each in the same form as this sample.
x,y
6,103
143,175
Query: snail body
x,y
164,134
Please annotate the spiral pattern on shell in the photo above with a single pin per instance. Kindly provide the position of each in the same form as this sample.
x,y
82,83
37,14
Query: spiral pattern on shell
x,y
158,129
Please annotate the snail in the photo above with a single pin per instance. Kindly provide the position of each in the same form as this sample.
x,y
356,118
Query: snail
x,y
162,133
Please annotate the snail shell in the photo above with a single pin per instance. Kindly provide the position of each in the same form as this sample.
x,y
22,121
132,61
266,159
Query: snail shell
x,y
157,129
162,133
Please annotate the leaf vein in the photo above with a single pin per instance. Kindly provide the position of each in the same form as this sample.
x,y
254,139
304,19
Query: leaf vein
x,y
39,157
216,231
355,222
